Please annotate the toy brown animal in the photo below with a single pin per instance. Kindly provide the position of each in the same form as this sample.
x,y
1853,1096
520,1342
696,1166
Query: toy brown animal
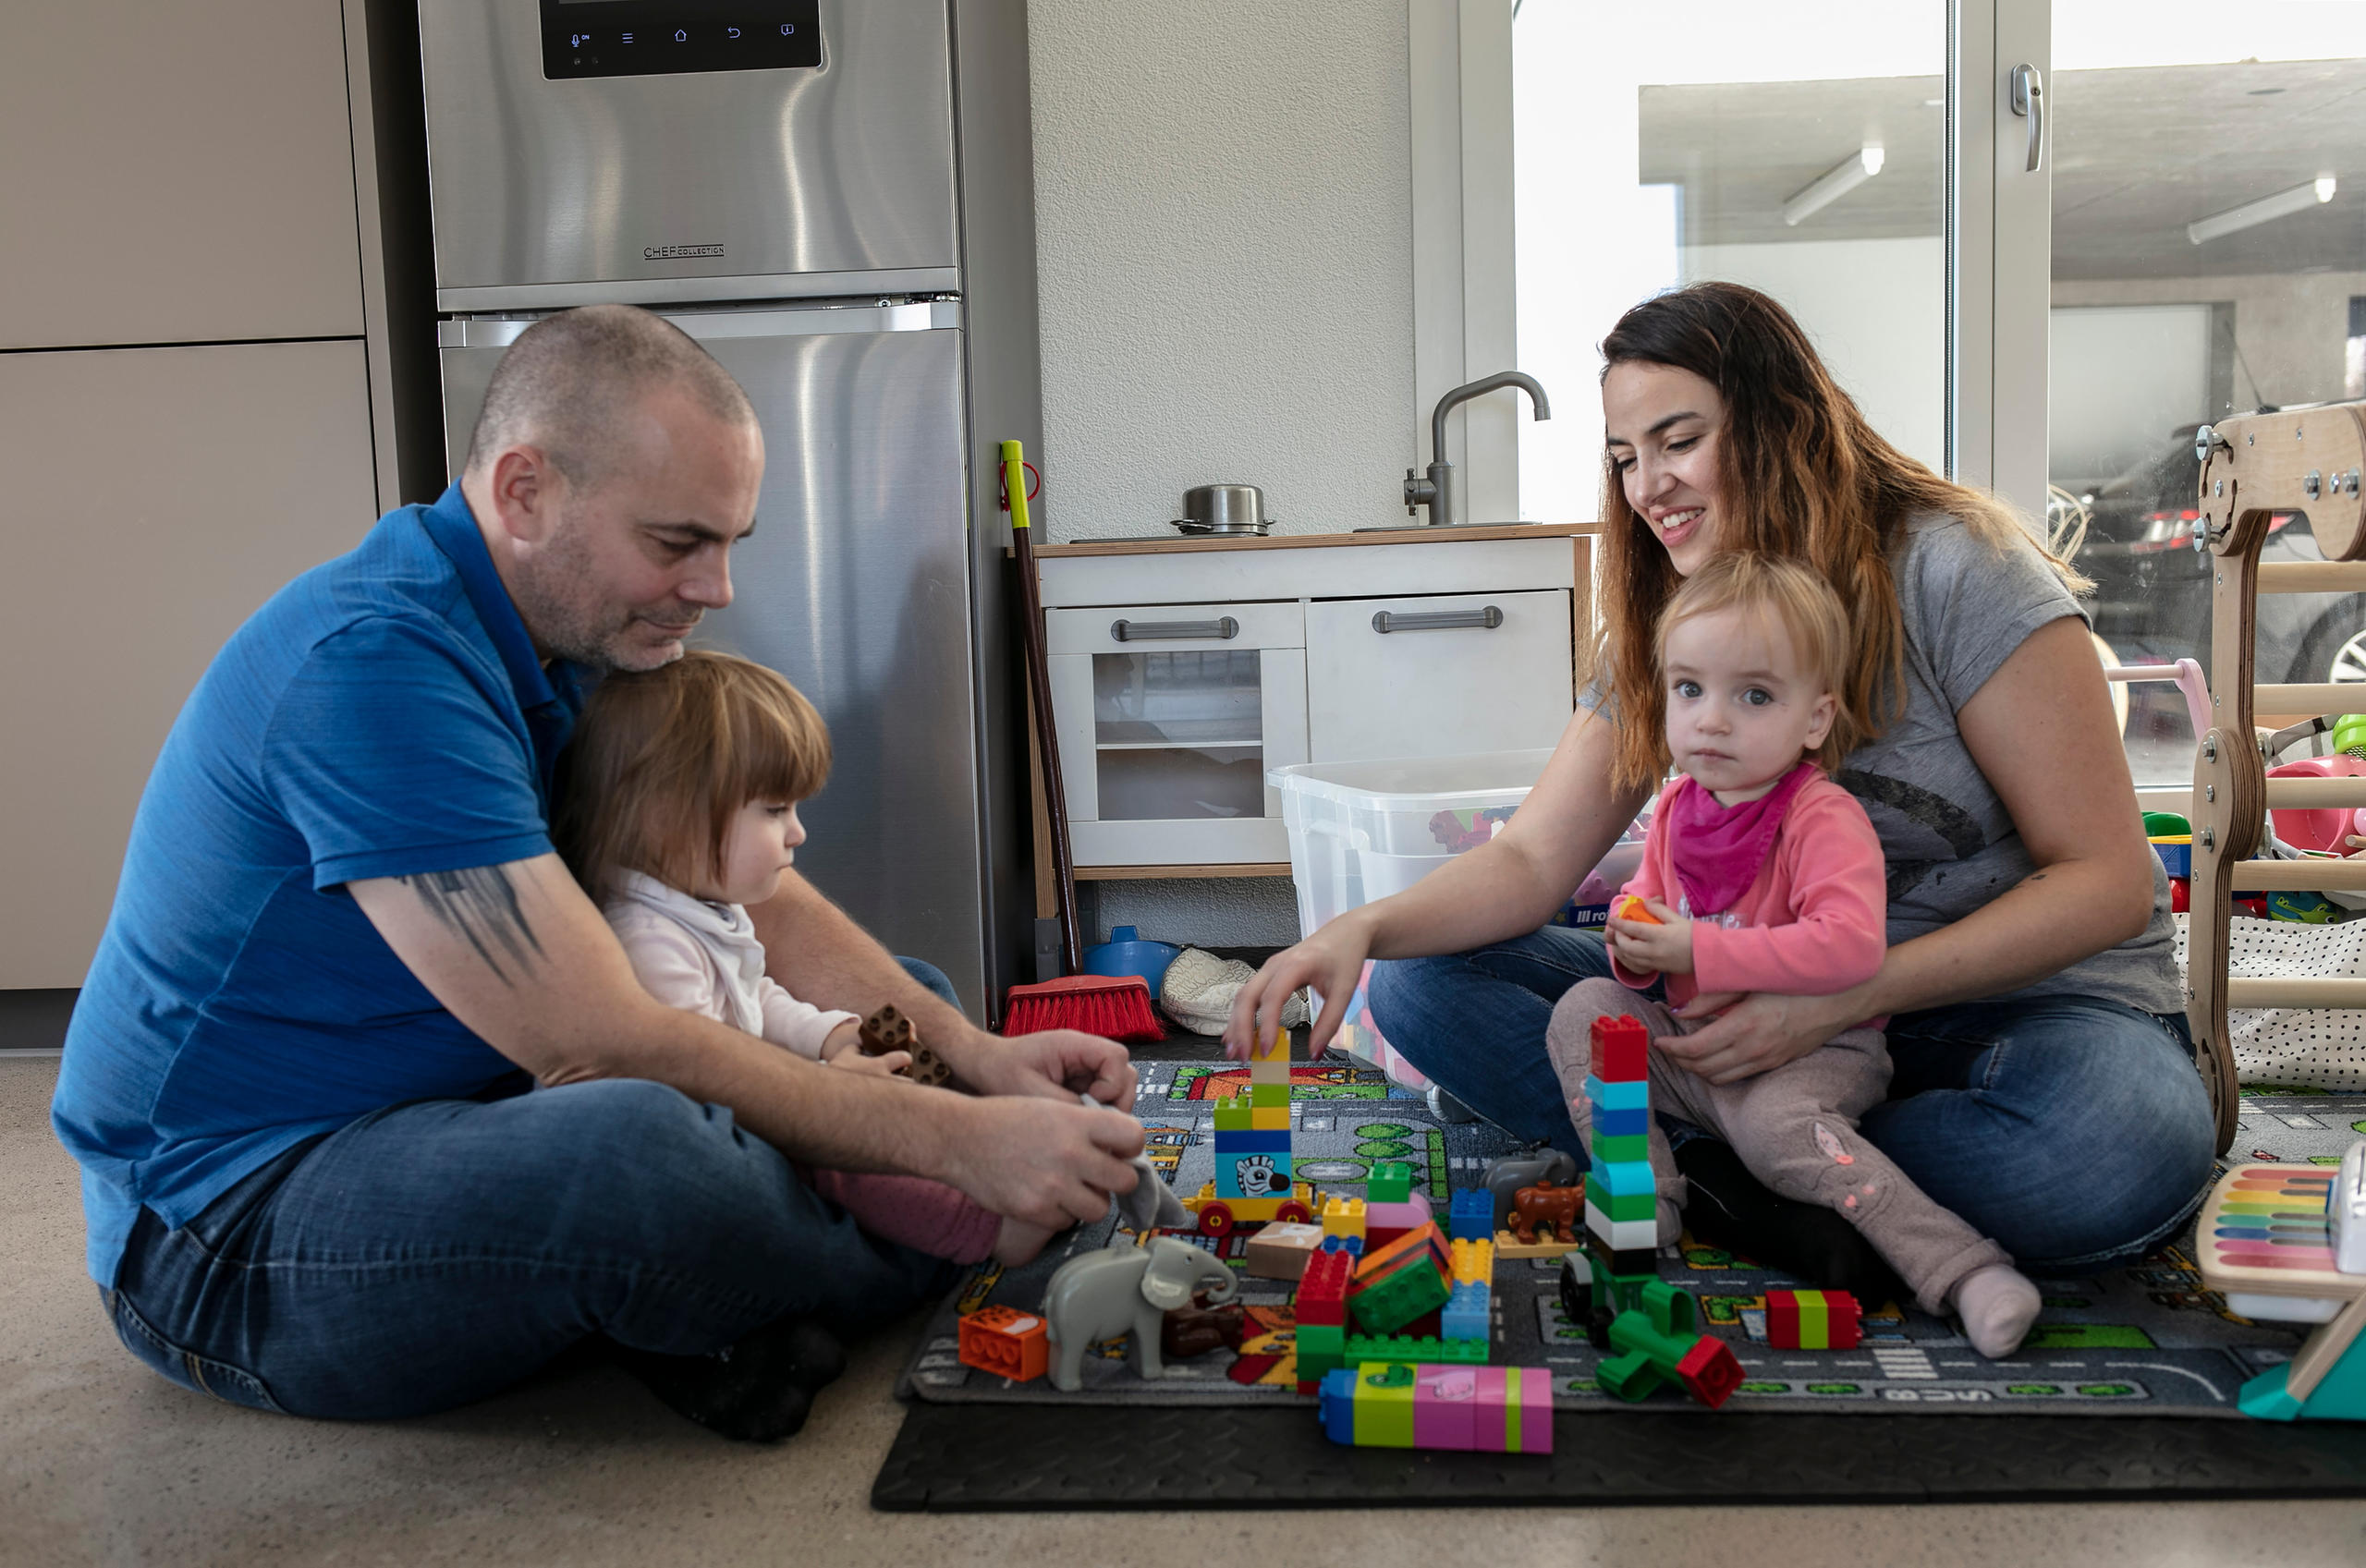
x,y
887,1030
1196,1330
1548,1206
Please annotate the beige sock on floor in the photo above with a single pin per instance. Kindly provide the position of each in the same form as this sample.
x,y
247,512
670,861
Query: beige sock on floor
x,y
1997,1305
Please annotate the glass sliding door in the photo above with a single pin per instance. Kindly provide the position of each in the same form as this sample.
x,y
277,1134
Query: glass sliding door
x,y
2208,257
1800,149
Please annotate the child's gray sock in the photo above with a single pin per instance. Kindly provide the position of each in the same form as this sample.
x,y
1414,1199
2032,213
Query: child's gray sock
x,y
1997,1305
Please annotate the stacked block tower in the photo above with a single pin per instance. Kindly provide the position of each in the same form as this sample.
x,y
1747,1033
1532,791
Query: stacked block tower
x,y
1654,1326
1622,1200
1253,1134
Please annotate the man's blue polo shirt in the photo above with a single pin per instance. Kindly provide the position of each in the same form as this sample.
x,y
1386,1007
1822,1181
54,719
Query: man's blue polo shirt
x,y
383,715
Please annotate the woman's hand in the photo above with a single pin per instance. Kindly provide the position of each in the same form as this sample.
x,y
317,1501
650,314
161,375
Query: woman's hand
x,y
1757,1034
1332,961
1660,945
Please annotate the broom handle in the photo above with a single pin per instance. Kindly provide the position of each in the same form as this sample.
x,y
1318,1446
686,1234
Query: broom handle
x,y
1039,682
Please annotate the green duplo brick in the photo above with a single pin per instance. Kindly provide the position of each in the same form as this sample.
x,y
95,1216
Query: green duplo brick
x,y
1322,1339
1609,1151
1634,1206
1395,1301
1267,1096
1234,1115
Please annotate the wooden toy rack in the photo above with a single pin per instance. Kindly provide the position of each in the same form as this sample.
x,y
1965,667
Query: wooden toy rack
x,y
2254,467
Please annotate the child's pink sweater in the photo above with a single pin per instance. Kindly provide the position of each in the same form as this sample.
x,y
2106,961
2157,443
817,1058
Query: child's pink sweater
x,y
1812,924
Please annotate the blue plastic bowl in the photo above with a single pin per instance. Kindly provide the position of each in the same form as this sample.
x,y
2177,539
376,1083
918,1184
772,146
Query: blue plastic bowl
x,y
1125,954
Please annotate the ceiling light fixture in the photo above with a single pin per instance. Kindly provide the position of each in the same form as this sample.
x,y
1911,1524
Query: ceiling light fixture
x,y
2284,203
1832,185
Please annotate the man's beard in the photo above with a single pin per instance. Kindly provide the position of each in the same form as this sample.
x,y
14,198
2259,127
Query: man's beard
x,y
558,594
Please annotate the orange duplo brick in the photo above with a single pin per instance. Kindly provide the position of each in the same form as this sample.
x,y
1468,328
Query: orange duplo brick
x,y
1005,1342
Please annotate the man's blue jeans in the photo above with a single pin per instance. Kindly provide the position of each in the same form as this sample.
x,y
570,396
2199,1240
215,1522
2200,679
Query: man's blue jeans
x,y
434,1253
2074,1132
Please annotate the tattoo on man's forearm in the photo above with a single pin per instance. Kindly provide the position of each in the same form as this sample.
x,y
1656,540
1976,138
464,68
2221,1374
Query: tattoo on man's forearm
x,y
480,906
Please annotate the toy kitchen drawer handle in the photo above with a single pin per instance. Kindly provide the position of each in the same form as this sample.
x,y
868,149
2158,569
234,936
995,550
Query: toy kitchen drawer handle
x,y
1151,631
1437,621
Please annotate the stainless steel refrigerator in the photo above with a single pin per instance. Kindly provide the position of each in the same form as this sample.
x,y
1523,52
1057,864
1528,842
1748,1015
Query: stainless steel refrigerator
x,y
778,177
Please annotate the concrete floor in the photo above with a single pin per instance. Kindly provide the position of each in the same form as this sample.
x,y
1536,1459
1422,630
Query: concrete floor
x,y
103,1462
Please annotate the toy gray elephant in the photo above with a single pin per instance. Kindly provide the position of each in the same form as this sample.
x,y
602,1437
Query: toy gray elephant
x,y
1504,1178
1123,1289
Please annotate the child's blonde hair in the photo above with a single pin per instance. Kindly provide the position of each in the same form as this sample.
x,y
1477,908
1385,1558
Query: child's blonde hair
x,y
661,759
1790,597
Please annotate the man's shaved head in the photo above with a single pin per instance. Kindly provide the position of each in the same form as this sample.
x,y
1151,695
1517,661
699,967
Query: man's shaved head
x,y
572,384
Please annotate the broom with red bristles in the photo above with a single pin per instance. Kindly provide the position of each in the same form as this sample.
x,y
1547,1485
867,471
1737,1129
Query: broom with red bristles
x,y
1115,1007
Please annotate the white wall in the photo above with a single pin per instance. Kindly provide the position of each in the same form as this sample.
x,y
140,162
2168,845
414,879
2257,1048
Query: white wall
x,y
1877,313
1224,232
2289,327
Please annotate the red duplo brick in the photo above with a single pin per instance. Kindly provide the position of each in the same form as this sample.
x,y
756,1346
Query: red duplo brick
x,y
1323,1289
1619,1045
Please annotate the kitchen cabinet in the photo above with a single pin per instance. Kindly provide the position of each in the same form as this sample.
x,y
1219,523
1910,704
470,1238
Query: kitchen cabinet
x,y
1183,670
158,497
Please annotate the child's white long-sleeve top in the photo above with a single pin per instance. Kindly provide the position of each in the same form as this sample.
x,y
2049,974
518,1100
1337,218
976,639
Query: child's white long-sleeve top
x,y
704,958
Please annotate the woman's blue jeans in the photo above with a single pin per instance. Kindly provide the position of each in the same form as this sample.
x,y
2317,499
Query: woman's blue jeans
x,y
2073,1131
431,1253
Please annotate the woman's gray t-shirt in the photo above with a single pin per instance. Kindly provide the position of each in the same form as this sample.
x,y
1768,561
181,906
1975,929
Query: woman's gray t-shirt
x,y
1951,843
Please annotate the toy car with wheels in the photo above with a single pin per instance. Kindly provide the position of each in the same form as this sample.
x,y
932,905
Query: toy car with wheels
x,y
1221,1216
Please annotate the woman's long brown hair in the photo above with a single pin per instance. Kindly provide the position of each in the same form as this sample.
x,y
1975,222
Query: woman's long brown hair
x,y
1800,475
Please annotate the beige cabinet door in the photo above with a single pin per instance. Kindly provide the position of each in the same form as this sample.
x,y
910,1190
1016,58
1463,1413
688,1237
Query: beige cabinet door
x,y
1436,677
156,498
175,173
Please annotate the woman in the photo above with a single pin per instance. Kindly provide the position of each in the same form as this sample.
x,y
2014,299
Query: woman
x,y
2044,1088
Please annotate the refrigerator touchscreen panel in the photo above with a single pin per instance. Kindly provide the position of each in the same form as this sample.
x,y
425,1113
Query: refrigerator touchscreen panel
x,y
613,38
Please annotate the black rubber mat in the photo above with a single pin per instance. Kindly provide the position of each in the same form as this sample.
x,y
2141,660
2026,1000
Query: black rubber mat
x,y
958,1458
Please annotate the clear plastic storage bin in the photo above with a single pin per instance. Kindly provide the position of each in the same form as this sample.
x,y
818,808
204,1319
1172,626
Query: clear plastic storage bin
x,y
1362,831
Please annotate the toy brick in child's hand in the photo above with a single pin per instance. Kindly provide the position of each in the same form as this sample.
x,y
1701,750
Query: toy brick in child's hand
x,y
1630,907
888,1029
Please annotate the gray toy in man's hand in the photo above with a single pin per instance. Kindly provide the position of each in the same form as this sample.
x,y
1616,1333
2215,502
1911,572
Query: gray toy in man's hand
x,y
1121,1290
1152,1206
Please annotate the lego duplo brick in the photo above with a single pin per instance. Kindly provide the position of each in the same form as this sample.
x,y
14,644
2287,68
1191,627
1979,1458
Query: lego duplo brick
x,y
1489,1409
1606,1096
1234,1115
1281,1251
1392,1181
1811,1320
1464,1351
1321,1347
1323,1289
1261,1174
1623,1235
1352,1245
1266,1120
1624,1178
1469,1314
1384,1305
1424,1239
1613,1148
1268,1096
1005,1342
1343,1216
1629,1120
1471,1214
1473,1261
1641,1205
1384,1223
1620,1047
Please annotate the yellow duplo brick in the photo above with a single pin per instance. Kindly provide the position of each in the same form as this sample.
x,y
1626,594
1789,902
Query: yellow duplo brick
x,y
1474,1262
1266,1120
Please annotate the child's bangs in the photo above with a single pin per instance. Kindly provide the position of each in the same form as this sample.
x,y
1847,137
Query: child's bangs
x,y
777,748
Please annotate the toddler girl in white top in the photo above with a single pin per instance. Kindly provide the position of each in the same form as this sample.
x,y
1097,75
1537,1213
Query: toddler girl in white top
x,y
680,810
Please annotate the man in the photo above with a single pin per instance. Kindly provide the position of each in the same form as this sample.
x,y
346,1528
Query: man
x,y
311,1181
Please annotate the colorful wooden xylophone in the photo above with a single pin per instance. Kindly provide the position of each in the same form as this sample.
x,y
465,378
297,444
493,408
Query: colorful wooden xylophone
x,y
2267,1241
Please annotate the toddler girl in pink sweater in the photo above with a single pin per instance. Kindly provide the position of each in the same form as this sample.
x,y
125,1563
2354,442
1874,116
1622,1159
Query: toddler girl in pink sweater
x,y
680,810
1761,874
